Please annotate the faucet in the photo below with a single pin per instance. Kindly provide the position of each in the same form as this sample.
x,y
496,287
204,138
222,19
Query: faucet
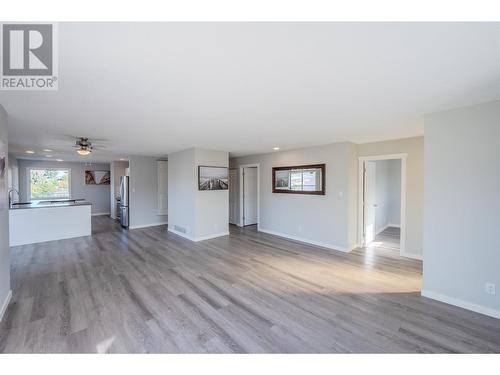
x,y
11,199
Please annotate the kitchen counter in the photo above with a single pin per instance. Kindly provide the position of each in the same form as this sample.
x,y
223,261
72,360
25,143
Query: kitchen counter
x,y
41,221
45,204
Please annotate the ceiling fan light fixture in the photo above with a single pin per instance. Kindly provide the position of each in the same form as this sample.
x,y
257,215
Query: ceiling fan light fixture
x,y
83,151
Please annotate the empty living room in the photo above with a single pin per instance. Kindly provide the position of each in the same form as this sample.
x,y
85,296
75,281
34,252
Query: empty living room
x,y
296,180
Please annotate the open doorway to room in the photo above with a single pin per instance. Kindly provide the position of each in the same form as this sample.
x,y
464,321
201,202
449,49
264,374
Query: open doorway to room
x,y
234,193
249,195
382,202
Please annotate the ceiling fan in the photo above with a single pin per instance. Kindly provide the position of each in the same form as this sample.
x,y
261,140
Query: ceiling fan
x,y
83,146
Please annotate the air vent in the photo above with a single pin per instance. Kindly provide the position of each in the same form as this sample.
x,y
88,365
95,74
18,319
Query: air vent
x,y
180,229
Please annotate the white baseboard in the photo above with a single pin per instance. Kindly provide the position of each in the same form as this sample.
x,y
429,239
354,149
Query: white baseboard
x,y
381,230
5,304
171,230
461,303
305,240
102,214
394,225
148,225
197,239
210,236
411,255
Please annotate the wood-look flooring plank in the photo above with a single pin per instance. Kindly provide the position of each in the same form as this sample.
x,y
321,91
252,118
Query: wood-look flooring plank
x,y
150,291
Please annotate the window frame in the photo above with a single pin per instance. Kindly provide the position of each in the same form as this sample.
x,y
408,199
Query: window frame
x,y
322,167
28,172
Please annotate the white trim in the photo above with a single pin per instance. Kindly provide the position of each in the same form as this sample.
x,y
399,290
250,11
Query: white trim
x,y
240,175
407,254
461,303
102,214
361,161
210,236
171,230
198,239
394,225
307,241
381,230
5,304
148,225
388,226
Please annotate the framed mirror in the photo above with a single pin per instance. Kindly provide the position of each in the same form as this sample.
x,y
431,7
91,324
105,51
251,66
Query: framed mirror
x,y
302,179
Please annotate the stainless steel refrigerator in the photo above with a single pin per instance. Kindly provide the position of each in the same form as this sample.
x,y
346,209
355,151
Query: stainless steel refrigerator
x,y
124,201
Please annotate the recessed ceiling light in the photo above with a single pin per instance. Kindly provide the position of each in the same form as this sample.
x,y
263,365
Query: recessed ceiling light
x,y
48,156
123,159
30,152
59,160
47,150
276,148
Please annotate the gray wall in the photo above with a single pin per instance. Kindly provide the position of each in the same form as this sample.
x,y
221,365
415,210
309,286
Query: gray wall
x,y
192,213
212,207
4,217
462,206
387,193
143,190
327,220
182,186
98,195
414,148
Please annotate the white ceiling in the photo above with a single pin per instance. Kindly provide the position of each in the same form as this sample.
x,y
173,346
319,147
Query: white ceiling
x,y
152,89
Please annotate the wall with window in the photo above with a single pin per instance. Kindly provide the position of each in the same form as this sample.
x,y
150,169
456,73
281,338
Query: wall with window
x,y
98,195
319,219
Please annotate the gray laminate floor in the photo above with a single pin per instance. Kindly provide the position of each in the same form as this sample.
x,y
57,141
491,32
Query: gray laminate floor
x,y
147,290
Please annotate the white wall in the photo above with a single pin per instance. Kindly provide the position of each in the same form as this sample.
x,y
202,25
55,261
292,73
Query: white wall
x,y
4,219
326,220
462,207
98,195
143,191
195,214
387,193
117,170
414,148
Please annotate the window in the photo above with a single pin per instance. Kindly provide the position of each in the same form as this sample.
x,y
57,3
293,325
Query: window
x,y
49,183
306,179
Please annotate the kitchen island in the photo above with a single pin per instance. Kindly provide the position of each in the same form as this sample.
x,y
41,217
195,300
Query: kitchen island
x,y
41,221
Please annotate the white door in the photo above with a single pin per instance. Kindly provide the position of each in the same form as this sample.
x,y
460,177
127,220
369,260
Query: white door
x,y
250,196
369,202
234,193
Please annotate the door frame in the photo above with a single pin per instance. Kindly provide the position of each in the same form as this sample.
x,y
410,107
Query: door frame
x,y
240,174
361,162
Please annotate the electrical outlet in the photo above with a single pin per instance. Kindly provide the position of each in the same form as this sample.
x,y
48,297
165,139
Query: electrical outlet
x,y
489,288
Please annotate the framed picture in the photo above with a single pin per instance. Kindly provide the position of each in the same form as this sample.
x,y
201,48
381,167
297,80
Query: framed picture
x,y
299,179
213,178
97,178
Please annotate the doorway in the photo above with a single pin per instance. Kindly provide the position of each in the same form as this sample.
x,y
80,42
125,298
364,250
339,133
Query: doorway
x,y
249,195
382,193
233,196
